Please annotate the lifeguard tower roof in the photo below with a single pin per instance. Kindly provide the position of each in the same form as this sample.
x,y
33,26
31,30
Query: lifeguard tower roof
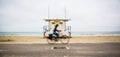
x,y
57,19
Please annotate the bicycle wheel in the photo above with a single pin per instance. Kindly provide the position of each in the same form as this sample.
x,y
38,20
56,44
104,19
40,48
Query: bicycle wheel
x,y
51,41
65,40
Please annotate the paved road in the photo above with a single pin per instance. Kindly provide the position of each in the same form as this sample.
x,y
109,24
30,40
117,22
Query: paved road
x,y
72,50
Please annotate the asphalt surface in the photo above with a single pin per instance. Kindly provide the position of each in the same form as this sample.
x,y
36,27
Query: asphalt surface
x,y
61,50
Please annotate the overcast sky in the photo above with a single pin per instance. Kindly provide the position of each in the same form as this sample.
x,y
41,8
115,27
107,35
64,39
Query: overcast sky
x,y
85,15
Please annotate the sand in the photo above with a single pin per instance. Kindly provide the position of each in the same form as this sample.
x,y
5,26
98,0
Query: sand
x,y
74,39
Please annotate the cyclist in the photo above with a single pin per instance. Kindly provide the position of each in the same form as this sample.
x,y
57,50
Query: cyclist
x,y
55,32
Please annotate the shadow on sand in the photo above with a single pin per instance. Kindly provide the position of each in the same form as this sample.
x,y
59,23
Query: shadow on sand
x,y
6,40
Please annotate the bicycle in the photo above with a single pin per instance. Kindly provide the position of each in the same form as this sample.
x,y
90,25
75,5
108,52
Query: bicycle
x,y
64,39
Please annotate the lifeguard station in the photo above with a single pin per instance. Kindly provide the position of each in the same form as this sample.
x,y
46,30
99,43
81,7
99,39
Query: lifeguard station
x,y
65,31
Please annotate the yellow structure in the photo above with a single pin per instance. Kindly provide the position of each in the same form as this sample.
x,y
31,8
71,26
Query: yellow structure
x,y
65,30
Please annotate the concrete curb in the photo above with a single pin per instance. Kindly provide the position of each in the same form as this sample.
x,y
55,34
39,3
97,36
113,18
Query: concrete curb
x,y
47,43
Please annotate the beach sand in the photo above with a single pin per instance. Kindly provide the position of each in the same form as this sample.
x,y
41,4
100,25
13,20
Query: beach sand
x,y
74,39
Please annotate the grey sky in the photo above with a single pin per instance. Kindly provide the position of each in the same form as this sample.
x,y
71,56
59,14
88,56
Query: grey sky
x,y
85,15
